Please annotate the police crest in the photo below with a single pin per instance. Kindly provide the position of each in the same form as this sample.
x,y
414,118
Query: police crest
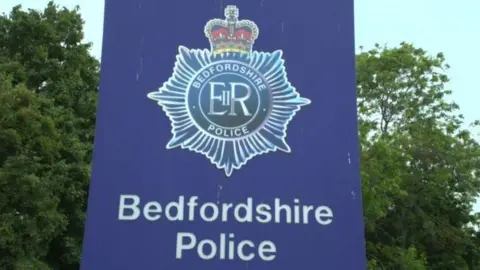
x,y
229,103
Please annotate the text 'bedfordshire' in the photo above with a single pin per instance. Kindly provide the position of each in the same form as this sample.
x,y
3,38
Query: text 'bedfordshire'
x,y
226,246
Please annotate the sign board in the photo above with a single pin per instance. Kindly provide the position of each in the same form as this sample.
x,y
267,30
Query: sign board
x,y
226,138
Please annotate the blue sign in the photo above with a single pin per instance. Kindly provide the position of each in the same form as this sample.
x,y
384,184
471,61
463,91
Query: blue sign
x,y
226,138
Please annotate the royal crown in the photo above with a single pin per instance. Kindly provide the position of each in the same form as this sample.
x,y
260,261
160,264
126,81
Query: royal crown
x,y
231,34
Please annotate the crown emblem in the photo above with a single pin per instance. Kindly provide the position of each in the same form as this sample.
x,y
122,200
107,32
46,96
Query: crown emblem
x,y
231,34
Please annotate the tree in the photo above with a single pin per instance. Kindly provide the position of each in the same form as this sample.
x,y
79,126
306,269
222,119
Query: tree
x,y
419,166
48,94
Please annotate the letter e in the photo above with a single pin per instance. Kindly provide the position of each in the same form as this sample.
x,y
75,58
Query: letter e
x,y
324,215
266,247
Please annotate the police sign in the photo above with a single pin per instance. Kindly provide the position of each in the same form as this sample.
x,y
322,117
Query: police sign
x,y
212,182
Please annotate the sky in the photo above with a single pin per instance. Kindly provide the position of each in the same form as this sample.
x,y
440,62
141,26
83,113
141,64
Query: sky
x,y
434,25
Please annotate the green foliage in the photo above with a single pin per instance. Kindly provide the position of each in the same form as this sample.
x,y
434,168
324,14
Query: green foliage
x,y
48,89
420,167
404,259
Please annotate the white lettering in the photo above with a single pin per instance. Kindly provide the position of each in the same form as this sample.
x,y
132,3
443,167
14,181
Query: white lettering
x,y
205,74
242,255
225,208
279,208
133,207
191,207
180,243
203,211
240,100
247,217
263,210
227,248
214,97
229,97
306,210
152,211
296,211
229,133
323,215
267,250
201,250
179,206
196,85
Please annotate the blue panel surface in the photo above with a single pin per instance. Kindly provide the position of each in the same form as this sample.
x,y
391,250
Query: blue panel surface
x,y
226,138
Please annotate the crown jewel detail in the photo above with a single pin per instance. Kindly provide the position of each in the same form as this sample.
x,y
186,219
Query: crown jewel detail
x,y
231,34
